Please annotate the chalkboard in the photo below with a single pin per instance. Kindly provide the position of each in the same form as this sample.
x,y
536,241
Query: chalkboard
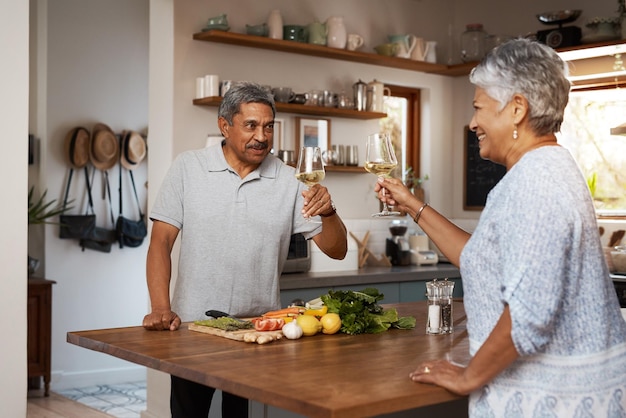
x,y
480,175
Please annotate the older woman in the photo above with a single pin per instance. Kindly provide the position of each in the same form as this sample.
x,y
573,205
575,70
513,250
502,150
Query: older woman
x,y
546,334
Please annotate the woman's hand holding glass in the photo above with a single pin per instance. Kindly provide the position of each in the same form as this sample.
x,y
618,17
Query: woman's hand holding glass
x,y
380,159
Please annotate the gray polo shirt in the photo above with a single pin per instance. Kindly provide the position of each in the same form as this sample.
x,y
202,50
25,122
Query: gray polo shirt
x,y
234,232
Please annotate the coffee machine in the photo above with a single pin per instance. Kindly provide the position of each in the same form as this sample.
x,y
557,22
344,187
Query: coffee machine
x,y
397,247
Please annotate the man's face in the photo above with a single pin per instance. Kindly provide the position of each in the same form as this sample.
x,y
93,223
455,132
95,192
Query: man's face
x,y
250,137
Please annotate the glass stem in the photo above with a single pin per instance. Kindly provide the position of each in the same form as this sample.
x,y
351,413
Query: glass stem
x,y
385,207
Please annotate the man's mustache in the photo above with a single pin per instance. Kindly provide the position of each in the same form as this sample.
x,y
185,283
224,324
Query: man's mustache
x,y
258,145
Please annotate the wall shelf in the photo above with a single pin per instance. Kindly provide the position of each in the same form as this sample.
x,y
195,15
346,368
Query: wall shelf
x,y
333,53
304,110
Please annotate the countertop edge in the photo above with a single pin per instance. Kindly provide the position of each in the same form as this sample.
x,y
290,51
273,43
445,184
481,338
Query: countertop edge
x,y
368,275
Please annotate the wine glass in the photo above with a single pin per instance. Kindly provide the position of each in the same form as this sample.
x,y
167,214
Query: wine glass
x,y
380,159
310,168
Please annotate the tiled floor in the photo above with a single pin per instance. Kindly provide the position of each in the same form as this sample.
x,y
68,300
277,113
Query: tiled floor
x,y
125,400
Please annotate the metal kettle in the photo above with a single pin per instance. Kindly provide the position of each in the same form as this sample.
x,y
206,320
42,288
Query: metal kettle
x,y
360,95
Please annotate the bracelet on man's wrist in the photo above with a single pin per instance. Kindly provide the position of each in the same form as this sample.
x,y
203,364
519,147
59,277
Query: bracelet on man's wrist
x,y
419,213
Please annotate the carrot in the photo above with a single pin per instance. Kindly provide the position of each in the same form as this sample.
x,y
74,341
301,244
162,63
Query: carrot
x,y
292,311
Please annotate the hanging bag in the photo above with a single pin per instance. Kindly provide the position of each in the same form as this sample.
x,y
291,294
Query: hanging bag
x,y
77,226
130,233
101,238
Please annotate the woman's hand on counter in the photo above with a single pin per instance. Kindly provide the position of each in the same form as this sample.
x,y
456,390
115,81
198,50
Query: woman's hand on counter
x,y
442,373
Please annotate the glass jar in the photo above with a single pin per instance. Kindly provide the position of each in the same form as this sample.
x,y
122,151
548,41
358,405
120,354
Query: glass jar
x,y
473,42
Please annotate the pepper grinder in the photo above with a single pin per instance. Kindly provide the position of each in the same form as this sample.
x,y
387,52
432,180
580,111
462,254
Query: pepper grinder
x,y
445,300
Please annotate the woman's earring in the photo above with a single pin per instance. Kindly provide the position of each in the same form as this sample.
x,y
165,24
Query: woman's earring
x,y
515,133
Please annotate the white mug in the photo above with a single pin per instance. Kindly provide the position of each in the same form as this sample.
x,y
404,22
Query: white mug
x,y
211,85
355,41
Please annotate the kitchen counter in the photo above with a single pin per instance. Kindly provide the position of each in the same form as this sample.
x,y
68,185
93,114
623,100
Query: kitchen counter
x,y
325,376
369,275
397,283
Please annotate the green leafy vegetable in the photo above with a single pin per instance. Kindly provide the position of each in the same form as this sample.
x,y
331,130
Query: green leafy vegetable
x,y
225,323
361,314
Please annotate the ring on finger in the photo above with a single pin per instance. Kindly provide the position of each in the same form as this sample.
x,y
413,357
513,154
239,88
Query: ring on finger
x,y
426,370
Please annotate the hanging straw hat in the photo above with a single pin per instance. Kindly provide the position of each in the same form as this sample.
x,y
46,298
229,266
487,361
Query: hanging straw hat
x,y
77,147
133,149
104,151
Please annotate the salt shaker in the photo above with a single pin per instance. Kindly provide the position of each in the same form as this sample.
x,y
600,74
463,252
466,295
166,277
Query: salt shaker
x,y
433,323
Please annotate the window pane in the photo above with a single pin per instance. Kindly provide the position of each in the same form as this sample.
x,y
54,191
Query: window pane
x,y
586,132
396,124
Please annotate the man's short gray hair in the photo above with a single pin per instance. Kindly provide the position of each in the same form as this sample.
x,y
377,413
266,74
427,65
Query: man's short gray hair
x,y
244,92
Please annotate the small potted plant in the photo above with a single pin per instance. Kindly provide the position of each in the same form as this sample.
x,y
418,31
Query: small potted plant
x,y
40,212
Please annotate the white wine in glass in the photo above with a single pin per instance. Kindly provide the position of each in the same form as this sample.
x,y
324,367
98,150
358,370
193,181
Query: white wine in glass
x,y
310,168
380,159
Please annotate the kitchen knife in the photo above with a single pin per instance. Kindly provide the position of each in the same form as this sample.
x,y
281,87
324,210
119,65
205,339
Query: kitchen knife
x,y
219,314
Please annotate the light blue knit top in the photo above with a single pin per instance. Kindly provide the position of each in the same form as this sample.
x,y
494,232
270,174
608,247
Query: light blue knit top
x,y
537,249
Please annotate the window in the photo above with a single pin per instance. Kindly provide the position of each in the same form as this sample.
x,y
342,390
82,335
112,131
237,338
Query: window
x,y
403,123
586,132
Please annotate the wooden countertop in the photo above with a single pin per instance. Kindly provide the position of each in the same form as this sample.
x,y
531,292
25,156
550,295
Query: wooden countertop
x,y
321,376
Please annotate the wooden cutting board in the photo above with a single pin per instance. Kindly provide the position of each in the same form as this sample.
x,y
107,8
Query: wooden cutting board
x,y
246,335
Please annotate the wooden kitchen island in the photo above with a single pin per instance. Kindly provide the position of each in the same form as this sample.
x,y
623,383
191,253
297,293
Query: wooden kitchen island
x,y
321,376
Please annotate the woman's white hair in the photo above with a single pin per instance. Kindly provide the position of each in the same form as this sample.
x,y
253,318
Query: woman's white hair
x,y
532,69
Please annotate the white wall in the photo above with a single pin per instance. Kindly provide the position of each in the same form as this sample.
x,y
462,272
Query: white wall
x,y
13,223
94,68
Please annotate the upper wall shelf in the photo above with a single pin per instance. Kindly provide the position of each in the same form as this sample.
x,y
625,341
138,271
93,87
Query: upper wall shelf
x,y
333,53
305,110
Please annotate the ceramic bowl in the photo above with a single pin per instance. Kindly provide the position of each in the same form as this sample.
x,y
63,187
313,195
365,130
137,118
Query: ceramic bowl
x,y
217,20
388,49
258,30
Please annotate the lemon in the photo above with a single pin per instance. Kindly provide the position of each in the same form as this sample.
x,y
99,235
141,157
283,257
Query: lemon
x,y
331,323
310,325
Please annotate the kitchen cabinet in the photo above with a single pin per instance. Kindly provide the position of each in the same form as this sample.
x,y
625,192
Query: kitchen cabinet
x,y
39,332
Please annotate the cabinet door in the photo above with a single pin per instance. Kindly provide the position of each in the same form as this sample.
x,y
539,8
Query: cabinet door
x,y
39,301
35,353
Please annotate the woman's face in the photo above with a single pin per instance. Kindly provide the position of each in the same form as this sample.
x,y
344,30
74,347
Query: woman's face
x,y
493,127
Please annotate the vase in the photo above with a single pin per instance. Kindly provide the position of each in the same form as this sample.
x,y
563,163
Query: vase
x,y
275,24
337,33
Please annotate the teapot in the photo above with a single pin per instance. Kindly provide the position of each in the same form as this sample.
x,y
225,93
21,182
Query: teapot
x,y
421,50
375,95
317,33
406,44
